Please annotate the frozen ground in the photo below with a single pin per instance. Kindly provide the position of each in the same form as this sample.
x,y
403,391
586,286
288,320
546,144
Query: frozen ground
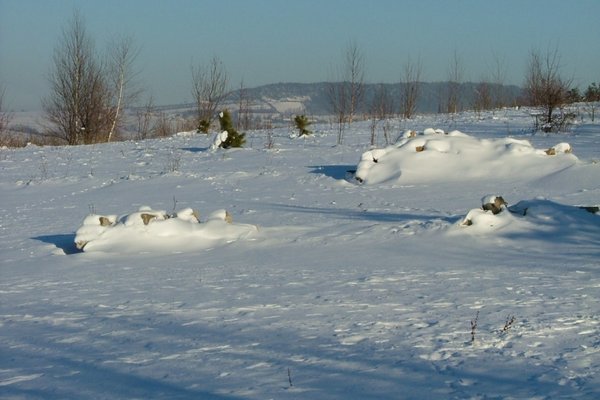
x,y
344,291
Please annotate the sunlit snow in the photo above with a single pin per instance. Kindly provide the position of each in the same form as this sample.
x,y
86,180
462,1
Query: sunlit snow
x,y
164,269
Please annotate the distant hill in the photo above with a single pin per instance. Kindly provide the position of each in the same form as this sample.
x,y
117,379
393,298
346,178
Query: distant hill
x,y
312,98
279,101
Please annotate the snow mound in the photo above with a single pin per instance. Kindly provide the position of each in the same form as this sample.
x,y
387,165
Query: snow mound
x,y
539,219
435,156
148,230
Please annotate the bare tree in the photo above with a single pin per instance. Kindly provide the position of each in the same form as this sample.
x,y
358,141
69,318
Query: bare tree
x,y
381,109
482,99
122,54
347,89
164,126
243,115
338,100
79,102
144,116
498,79
592,97
455,77
4,115
355,70
209,88
411,77
546,88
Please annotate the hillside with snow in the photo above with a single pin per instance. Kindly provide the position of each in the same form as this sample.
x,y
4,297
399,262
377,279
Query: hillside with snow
x,y
460,261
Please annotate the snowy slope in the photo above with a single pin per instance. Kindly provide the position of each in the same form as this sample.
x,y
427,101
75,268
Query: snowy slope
x,y
340,290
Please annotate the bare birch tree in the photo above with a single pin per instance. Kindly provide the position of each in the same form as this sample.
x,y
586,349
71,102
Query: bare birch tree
x,y
355,76
121,56
411,77
209,88
347,89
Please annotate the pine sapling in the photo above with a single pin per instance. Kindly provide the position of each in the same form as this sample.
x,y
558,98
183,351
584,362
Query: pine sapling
x,y
234,138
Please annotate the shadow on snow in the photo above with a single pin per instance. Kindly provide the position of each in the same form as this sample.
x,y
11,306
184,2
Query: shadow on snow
x,y
65,242
333,171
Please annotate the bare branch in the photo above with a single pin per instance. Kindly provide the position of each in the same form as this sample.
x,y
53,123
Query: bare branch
x,y
411,78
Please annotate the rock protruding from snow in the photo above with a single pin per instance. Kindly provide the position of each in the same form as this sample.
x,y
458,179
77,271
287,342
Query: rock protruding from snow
x,y
560,148
148,230
93,227
493,203
188,214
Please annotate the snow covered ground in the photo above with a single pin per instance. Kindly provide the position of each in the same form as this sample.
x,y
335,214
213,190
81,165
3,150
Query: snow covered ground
x,y
321,287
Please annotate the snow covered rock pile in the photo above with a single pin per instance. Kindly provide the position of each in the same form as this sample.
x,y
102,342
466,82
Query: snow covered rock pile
x,y
436,156
149,230
490,204
537,218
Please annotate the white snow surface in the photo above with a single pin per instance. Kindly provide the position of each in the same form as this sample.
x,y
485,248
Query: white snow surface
x,y
321,287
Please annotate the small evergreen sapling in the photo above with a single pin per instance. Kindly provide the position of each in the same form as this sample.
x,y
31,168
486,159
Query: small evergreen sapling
x,y
302,124
234,138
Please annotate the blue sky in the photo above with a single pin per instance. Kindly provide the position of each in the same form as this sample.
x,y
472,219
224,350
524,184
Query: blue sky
x,y
267,41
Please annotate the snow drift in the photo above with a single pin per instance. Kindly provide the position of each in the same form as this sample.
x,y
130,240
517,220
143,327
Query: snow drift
x,y
152,230
435,157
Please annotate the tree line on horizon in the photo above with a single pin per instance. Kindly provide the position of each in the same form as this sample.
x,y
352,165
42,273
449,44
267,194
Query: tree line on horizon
x,y
89,93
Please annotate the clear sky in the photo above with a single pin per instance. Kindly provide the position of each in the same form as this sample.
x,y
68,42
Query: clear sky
x,y
268,41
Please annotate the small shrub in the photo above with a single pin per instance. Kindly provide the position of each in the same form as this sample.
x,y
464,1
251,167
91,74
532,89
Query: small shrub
x,y
173,162
510,320
474,327
203,126
234,138
302,124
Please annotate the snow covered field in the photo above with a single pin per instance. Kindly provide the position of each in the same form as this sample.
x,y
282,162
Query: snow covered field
x,y
322,287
